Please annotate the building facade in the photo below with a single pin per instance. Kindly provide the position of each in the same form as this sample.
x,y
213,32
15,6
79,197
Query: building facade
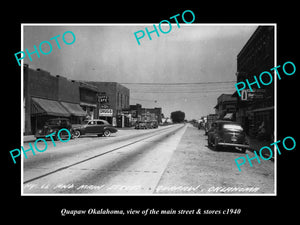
x,y
226,105
47,96
117,100
256,109
145,114
88,96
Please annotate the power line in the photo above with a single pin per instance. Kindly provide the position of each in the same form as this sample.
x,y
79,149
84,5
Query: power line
x,y
182,92
194,83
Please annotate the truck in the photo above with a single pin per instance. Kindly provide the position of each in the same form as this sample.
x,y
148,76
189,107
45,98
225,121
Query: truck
x,y
210,119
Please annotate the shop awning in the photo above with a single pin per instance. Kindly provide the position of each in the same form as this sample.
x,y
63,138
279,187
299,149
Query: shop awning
x,y
228,116
48,107
74,109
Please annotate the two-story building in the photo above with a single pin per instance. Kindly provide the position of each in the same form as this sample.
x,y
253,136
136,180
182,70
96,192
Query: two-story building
x,y
256,108
47,96
117,100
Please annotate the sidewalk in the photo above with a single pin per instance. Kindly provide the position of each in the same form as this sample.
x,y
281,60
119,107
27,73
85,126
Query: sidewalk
x,y
256,145
28,138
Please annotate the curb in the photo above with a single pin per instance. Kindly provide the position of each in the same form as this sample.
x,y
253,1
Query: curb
x,y
28,138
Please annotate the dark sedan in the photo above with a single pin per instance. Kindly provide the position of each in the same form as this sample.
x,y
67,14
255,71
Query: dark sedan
x,y
96,126
54,125
227,133
140,125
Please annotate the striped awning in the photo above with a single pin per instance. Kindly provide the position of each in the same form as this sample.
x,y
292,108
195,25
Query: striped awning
x,y
42,106
74,109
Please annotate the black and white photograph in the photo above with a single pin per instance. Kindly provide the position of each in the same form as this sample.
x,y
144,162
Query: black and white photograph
x,y
162,109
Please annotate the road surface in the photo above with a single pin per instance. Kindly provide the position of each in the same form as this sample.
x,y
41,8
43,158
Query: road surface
x,y
172,159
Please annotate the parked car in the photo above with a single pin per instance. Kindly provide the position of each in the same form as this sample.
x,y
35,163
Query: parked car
x,y
54,125
227,133
210,119
140,125
154,124
95,126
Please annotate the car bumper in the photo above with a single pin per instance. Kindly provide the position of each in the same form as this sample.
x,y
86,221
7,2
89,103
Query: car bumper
x,y
40,135
233,145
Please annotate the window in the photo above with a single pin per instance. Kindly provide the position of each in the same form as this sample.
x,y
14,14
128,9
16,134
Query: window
x,y
121,101
100,122
232,127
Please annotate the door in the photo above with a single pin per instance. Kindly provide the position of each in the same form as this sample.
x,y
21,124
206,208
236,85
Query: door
x,y
91,127
100,126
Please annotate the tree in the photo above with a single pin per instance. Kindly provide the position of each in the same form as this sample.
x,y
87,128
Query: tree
x,y
177,116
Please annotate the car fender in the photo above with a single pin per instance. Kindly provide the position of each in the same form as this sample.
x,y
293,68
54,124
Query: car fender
x,y
82,131
111,129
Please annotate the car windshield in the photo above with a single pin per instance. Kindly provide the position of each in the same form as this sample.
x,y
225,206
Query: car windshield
x,y
233,127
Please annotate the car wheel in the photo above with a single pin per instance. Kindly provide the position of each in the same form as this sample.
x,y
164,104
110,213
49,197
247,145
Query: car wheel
x,y
106,133
76,134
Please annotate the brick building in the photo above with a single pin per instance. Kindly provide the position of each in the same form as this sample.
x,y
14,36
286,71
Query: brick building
x,y
257,107
117,101
145,114
88,97
46,96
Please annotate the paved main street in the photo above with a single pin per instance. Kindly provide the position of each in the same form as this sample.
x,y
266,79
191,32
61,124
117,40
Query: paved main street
x,y
172,159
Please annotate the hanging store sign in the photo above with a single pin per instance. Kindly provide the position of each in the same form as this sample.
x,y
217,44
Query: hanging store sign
x,y
106,112
247,95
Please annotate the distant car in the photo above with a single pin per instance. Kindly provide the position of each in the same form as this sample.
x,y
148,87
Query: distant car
x,y
54,125
153,124
95,126
140,125
227,133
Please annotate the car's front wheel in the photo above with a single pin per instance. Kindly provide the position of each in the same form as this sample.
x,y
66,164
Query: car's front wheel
x,y
106,133
76,134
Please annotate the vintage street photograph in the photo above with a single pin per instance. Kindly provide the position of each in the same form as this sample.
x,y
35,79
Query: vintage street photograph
x,y
147,109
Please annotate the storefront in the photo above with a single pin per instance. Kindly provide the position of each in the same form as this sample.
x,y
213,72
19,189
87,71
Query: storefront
x,y
106,114
88,100
262,118
44,109
77,113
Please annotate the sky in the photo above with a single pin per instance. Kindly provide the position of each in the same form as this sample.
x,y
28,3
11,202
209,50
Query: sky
x,y
185,69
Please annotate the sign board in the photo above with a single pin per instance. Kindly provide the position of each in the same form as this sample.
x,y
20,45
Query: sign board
x,y
106,112
247,95
102,98
244,94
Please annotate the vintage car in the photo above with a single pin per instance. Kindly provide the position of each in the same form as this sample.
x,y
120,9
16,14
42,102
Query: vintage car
x,y
95,126
140,125
153,124
54,125
227,133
